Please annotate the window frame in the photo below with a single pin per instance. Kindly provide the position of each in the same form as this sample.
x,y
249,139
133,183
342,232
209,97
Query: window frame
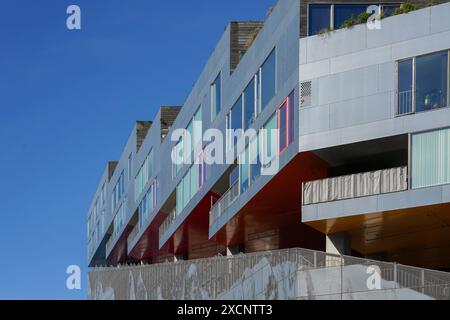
x,y
214,111
414,83
260,73
286,103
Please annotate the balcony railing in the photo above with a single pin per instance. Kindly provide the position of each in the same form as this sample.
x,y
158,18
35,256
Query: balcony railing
x,y
167,223
224,203
328,276
355,185
405,102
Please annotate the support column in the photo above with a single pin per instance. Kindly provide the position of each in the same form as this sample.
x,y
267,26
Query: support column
x,y
234,250
180,257
339,243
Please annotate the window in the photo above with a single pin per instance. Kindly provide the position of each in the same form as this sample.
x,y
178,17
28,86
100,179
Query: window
x,y
388,9
270,139
405,87
179,206
268,80
198,129
244,169
249,104
195,129
236,115
130,159
103,194
430,158
144,174
148,203
343,12
216,97
285,122
422,83
191,183
255,161
118,192
176,167
119,220
431,81
186,190
201,171
234,176
332,16
319,18
234,122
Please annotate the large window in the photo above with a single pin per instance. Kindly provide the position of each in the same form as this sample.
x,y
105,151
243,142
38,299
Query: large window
x,y
343,12
244,170
234,122
285,122
144,174
148,203
270,140
119,219
191,183
405,86
118,191
268,79
195,129
422,83
319,18
130,162
249,104
216,97
431,81
430,158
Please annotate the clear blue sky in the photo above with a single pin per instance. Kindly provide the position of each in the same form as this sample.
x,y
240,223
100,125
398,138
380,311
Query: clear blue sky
x,y
68,102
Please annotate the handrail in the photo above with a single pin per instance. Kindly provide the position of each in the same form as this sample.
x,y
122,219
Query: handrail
x,y
224,203
218,275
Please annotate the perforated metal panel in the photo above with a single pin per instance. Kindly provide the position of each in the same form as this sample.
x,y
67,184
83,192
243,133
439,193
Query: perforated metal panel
x,y
305,94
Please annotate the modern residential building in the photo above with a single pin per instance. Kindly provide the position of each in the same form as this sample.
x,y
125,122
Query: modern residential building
x,y
362,146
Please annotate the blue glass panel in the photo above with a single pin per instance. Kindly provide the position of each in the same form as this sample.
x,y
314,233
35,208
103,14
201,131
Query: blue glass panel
x,y
405,78
431,81
388,9
268,80
318,18
344,12
249,104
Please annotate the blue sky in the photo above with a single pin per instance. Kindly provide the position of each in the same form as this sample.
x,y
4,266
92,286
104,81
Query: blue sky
x,y
68,101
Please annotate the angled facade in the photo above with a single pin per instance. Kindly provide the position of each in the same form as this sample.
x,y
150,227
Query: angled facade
x,y
362,145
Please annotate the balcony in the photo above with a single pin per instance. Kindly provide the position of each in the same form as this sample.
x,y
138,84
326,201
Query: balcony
x,y
132,235
167,223
355,186
224,203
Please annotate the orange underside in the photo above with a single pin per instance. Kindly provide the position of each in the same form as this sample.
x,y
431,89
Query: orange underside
x,y
416,236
